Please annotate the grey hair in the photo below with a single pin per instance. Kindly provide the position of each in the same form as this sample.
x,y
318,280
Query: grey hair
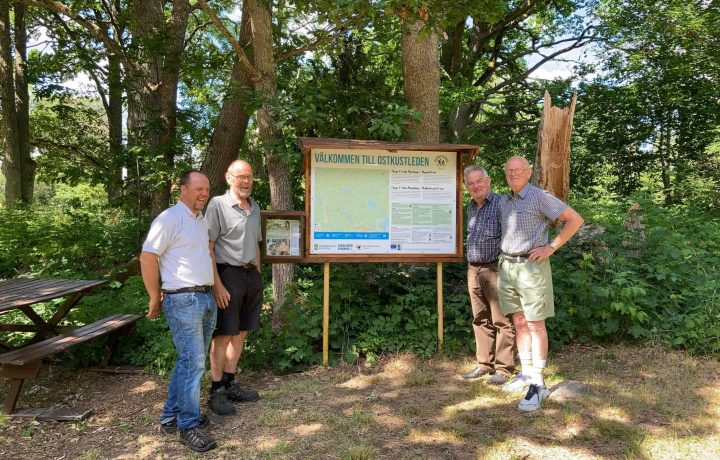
x,y
518,157
471,169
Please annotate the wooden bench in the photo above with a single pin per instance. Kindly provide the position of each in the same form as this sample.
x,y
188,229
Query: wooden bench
x,y
25,363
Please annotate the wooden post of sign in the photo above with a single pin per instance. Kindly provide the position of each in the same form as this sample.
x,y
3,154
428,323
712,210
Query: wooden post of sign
x,y
440,304
326,312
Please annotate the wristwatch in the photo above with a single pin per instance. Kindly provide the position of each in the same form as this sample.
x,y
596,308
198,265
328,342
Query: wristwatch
x,y
553,245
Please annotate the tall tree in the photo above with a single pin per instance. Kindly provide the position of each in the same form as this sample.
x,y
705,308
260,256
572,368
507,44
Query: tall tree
x,y
421,75
153,73
487,87
229,130
660,67
18,166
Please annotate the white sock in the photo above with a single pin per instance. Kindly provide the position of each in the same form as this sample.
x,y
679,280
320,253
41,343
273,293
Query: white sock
x,y
525,363
538,366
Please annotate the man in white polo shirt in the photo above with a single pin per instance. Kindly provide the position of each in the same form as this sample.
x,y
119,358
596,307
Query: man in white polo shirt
x,y
176,251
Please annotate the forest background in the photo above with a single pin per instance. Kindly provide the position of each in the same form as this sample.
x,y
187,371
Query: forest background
x,y
174,85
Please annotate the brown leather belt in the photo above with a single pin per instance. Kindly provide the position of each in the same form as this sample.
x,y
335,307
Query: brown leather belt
x,y
482,264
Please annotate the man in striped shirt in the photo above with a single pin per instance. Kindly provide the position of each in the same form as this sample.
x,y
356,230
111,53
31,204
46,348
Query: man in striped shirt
x,y
494,333
525,279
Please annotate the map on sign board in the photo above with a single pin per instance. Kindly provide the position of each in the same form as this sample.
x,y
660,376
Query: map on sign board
x,y
382,202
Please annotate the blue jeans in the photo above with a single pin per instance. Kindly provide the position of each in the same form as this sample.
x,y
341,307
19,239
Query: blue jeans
x,y
191,317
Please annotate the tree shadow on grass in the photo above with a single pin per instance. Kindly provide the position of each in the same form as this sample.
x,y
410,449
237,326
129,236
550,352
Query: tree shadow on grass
x,y
646,403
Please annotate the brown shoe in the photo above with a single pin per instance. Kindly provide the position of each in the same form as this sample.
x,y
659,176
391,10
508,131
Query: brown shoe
x,y
476,373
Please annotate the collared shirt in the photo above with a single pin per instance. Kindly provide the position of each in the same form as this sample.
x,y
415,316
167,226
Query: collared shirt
x,y
526,217
483,239
180,239
236,232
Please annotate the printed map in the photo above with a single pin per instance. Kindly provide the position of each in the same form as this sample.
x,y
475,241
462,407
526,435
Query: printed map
x,y
351,200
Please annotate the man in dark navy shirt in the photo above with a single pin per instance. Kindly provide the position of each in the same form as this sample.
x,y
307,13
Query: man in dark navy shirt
x,y
494,333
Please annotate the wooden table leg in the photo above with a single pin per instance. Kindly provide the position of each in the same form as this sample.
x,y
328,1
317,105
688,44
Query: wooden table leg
x,y
12,395
17,375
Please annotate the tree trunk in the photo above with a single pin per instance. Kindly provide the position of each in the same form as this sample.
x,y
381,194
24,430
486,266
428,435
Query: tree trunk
x,y
665,161
152,89
421,76
114,116
12,161
279,173
552,164
231,126
22,106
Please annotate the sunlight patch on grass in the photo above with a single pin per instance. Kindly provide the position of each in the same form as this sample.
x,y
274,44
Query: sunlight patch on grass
x,y
307,429
690,447
265,443
464,406
419,378
433,437
612,413
360,382
359,452
146,386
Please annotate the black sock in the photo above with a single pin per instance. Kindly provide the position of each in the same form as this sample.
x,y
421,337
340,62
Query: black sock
x,y
216,385
227,377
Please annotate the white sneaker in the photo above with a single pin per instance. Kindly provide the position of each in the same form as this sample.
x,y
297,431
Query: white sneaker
x,y
518,384
534,397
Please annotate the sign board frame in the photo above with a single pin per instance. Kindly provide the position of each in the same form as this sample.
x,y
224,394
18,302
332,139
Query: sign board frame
x,y
288,216
464,155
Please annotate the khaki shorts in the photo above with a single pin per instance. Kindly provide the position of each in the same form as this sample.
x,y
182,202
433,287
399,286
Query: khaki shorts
x,y
526,287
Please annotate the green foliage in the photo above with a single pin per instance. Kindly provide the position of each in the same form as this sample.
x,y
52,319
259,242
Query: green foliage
x,y
150,346
71,235
669,291
374,309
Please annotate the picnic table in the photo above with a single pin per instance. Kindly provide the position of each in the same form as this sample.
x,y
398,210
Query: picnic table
x,y
23,362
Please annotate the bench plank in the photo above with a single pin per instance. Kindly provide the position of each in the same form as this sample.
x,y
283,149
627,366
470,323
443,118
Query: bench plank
x,y
18,292
60,343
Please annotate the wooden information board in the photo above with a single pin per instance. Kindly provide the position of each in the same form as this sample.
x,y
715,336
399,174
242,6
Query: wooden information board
x,y
371,201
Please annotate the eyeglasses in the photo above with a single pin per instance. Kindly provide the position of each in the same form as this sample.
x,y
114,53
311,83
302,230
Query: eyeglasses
x,y
242,178
513,172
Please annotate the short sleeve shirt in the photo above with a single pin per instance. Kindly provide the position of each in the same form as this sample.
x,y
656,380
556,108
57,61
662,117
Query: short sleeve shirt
x,y
236,232
180,239
526,217
483,237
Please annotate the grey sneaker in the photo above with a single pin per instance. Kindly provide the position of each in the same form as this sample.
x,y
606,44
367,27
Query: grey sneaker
x,y
197,440
219,402
518,384
236,393
498,378
534,397
171,426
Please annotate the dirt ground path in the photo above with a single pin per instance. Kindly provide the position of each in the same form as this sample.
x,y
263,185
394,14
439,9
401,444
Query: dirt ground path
x,y
645,403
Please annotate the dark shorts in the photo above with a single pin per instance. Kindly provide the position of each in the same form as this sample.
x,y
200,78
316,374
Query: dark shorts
x,y
246,299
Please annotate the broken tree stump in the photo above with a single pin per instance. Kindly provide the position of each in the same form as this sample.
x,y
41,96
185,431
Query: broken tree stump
x,y
552,163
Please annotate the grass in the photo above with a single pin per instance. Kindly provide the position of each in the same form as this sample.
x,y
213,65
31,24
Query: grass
x,y
422,409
